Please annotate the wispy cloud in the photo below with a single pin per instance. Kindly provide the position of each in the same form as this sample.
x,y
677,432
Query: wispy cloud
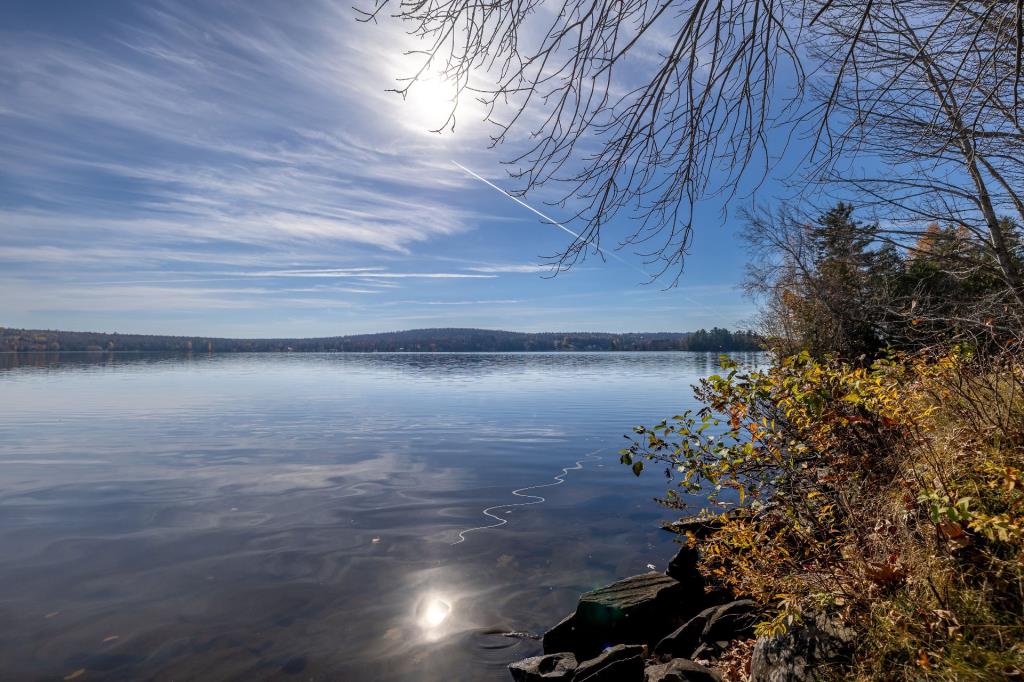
x,y
128,298
367,273
511,268
494,301
250,129
246,160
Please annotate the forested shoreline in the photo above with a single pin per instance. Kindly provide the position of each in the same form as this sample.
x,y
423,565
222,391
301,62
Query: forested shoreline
x,y
419,340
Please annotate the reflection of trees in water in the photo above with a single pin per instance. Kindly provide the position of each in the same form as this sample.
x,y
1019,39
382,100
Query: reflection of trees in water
x,y
69,360
422,364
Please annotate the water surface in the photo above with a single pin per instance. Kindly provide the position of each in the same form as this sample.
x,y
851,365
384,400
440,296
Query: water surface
x,y
293,516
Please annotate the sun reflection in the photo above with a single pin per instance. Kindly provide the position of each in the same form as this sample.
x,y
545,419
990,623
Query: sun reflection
x,y
432,612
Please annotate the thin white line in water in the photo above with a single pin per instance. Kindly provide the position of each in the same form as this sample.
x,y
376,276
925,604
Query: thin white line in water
x,y
519,492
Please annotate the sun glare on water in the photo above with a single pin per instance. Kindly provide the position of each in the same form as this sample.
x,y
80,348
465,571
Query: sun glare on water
x,y
432,612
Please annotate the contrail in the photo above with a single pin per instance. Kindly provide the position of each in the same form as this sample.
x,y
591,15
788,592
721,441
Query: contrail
x,y
548,218
566,229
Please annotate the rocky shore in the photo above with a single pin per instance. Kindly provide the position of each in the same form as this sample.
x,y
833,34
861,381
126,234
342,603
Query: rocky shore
x,y
677,627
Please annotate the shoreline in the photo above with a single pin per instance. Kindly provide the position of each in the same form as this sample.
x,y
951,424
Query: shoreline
x,y
677,626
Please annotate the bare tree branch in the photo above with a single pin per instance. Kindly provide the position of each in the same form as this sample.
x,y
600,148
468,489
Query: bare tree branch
x,y
926,88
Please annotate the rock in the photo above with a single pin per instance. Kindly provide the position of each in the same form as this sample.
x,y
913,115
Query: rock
x,y
636,610
699,527
620,663
803,653
562,637
707,651
682,642
629,598
681,670
716,595
707,634
683,568
559,666
734,620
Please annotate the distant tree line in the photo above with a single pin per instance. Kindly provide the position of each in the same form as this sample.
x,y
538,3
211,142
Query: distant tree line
x,y
419,340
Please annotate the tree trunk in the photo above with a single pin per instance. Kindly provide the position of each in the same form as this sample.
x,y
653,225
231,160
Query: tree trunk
x,y
998,241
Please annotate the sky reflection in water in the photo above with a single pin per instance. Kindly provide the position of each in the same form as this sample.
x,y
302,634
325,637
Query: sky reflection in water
x,y
267,516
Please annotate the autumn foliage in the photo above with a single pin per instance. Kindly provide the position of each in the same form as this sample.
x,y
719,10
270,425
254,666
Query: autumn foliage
x,y
888,495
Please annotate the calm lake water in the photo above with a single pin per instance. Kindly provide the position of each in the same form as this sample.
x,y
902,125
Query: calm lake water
x,y
293,516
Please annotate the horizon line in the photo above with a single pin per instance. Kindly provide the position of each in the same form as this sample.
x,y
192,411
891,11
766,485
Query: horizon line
x,y
4,329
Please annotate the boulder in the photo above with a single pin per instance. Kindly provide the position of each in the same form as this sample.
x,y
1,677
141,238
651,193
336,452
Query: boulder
x,y
635,610
681,670
683,568
634,601
804,652
547,668
620,663
705,635
734,620
562,637
682,642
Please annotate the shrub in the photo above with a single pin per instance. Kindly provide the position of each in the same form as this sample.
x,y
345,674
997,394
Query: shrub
x,y
890,495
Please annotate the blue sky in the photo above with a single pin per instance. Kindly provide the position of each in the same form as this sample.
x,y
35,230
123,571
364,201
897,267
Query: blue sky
x,y
240,170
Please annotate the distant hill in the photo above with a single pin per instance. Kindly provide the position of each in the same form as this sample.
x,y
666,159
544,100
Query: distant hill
x,y
415,340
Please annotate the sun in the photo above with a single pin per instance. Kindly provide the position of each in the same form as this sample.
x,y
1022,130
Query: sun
x,y
429,103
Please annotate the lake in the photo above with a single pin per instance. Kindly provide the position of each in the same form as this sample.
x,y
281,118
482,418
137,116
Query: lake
x,y
298,516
